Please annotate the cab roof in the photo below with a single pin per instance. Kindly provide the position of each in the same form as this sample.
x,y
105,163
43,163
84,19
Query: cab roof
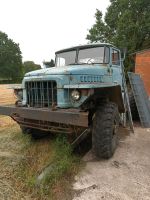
x,y
85,46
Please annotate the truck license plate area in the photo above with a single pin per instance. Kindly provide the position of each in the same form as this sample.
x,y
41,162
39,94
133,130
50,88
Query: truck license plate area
x,y
41,93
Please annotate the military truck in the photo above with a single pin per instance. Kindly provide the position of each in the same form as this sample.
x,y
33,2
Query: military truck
x,y
83,93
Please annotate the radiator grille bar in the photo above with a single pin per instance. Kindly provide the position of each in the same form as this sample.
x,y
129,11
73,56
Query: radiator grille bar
x,y
41,93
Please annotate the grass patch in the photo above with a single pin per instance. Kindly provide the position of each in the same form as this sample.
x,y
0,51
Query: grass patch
x,y
29,159
55,154
64,166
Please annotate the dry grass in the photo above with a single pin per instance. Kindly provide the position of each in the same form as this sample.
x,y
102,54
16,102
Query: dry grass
x,y
39,155
6,121
23,159
9,160
6,95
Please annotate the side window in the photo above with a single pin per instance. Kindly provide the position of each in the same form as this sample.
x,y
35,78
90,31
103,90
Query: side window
x,y
115,57
60,62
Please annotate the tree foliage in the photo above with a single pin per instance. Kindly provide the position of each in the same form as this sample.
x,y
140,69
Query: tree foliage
x,y
50,63
29,66
10,58
126,24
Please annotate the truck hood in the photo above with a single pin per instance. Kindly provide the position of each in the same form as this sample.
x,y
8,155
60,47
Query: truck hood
x,y
70,70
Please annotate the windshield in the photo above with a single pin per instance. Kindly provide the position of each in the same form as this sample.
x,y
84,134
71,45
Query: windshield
x,y
94,55
65,58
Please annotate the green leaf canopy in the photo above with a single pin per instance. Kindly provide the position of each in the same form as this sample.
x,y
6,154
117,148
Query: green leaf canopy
x,y
126,24
10,58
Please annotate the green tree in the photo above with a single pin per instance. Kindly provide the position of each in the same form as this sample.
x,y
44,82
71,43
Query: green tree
x,y
10,59
126,24
29,66
98,30
50,63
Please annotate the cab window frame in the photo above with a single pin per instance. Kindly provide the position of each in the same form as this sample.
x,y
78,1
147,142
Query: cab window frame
x,y
117,61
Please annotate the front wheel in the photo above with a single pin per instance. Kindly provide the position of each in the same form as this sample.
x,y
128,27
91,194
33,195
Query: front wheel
x,y
105,128
35,133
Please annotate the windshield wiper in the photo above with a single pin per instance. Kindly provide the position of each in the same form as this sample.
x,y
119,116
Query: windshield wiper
x,y
72,64
88,63
84,63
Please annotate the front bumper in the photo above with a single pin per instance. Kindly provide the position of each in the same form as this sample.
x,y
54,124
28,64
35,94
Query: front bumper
x,y
22,115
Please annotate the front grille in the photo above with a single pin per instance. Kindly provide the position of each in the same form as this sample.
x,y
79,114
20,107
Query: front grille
x,y
41,93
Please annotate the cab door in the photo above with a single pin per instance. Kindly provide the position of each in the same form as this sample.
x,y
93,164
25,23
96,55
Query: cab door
x,y
116,66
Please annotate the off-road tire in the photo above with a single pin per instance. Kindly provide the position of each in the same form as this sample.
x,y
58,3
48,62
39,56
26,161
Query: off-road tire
x,y
26,130
104,131
35,133
133,107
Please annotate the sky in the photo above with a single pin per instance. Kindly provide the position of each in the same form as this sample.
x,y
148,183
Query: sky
x,y
42,27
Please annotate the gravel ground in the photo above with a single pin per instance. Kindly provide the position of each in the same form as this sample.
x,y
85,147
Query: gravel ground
x,y
126,176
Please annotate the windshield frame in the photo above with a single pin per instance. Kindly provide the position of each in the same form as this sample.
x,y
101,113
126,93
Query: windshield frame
x,y
77,49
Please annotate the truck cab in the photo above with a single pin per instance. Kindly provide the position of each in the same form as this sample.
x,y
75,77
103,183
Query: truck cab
x,y
78,73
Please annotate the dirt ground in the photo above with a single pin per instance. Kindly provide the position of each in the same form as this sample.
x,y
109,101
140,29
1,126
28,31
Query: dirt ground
x,y
126,176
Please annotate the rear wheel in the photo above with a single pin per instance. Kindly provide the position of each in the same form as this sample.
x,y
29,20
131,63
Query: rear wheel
x,y
105,128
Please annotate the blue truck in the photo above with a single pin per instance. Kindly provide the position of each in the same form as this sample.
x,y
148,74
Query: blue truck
x,y
82,94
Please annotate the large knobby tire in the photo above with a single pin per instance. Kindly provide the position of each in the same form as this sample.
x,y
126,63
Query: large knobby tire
x,y
26,130
133,107
105,128
35,133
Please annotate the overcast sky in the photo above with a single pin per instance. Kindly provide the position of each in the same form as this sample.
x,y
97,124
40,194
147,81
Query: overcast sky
x,y
42,27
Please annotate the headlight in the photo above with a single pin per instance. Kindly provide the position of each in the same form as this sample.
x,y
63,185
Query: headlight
x,y
75,95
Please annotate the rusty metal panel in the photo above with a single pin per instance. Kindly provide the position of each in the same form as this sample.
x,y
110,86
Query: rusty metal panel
x,y
69,116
